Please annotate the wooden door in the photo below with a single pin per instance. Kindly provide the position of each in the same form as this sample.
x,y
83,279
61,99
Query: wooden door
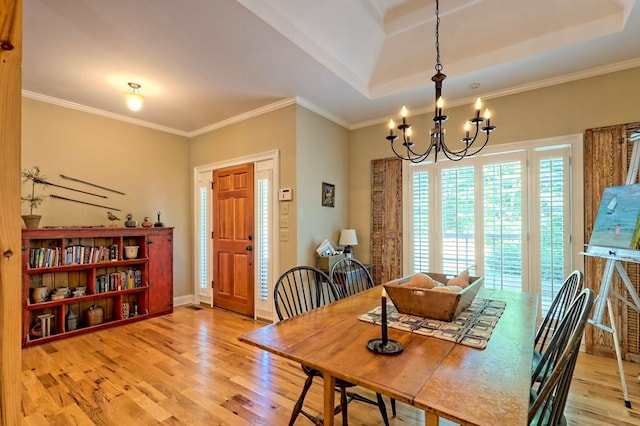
x,y
607,154
386,219
233,277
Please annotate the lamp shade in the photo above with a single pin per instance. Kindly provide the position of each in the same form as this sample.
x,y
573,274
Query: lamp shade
x,y
134,101
133,97
348,237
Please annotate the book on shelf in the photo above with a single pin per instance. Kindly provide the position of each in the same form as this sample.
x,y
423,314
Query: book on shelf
x,y
44,257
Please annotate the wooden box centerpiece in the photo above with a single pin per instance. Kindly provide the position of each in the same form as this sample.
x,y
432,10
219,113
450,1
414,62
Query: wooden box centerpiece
x,y
426,294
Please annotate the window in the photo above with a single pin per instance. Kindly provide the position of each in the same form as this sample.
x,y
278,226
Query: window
x,y
203,279
506,213
263,240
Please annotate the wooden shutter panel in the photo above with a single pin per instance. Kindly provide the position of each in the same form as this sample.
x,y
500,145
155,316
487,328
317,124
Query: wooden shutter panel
x,y
607,155
386,219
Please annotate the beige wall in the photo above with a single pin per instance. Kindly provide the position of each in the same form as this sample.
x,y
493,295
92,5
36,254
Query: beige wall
x,y
275,130
322,156
149,166
564,109
312,150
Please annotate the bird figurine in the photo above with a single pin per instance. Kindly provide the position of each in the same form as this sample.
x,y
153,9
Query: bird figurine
x,y
112,218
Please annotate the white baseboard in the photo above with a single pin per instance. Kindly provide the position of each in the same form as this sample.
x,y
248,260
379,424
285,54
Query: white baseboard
x,y
183,300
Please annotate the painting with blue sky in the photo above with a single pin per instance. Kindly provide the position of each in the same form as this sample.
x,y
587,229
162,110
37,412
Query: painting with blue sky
x,y
618,219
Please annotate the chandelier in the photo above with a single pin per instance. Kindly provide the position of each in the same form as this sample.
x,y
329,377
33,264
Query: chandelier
x,y
476,125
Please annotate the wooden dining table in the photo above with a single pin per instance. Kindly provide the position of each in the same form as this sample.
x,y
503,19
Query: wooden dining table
x,y
466,385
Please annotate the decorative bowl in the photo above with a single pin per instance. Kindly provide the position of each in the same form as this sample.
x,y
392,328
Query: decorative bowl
x,y
130,252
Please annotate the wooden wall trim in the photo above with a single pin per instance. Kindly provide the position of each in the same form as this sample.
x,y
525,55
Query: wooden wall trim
x,y
10,221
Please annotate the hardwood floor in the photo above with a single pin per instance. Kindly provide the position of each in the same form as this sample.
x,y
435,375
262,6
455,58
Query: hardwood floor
x,y
188,368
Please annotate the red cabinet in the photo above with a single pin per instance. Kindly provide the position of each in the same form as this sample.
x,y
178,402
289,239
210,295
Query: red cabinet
x,y
160,249
77,280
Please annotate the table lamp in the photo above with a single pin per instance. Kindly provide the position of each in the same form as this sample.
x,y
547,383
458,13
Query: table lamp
x,y
348,239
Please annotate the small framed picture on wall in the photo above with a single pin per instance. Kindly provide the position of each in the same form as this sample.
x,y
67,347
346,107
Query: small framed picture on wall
x,y
328,194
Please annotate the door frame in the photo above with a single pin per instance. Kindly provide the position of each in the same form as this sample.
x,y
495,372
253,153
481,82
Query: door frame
x,y
207,169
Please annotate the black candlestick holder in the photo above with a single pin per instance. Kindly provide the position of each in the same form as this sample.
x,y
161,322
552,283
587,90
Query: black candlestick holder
x,y
392,347
384,345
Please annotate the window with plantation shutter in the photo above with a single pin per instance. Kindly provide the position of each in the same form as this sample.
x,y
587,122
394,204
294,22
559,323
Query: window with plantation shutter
x,y
457,206
508,213
553,222
420,221
203,279
263,239
502,220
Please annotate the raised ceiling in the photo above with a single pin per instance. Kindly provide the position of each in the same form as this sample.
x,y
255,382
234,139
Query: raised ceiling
x,y
204,63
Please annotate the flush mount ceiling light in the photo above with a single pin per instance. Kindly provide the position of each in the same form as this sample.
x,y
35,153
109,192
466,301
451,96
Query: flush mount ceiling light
x,y
133,97
437,142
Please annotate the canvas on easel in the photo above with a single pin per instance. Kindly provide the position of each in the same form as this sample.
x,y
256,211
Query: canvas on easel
x,y
618,220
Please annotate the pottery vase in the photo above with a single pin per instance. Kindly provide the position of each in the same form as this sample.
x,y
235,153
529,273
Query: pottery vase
x,y
31,221
71,320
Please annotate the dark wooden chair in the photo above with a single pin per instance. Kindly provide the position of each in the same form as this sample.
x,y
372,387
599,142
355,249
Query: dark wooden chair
x,y
350,277
297,291
551,379
570,288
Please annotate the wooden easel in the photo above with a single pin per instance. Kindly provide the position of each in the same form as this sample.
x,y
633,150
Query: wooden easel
x,y
614,256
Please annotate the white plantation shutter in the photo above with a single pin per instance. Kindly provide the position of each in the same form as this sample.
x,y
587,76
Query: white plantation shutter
x,y
263,238
503,225
203,279
553,222
420,220
458,219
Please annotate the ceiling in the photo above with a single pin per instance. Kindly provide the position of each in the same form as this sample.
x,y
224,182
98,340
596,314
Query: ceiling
x,y
203,64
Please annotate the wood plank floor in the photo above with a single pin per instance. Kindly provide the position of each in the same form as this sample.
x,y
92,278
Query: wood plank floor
x,y
188,368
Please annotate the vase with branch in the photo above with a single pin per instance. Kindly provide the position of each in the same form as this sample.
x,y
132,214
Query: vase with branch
x,y
34,176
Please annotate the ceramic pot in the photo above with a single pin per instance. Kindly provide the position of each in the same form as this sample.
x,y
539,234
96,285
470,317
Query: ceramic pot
x,y
130,252
95,315
39,294
71,320
31,221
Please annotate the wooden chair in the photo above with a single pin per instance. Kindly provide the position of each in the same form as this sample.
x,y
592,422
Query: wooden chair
x,y
297,291
551,379
302,289
571,286
350,277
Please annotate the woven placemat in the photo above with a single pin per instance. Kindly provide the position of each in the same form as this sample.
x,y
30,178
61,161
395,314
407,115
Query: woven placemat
x,y
473,327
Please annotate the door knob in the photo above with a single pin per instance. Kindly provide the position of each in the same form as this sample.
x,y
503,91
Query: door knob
x,y
249,248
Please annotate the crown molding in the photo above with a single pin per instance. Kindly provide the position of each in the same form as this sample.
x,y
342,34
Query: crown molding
x,y
101,113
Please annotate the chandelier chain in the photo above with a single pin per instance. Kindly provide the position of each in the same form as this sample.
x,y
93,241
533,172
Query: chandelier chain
x,y
438,64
